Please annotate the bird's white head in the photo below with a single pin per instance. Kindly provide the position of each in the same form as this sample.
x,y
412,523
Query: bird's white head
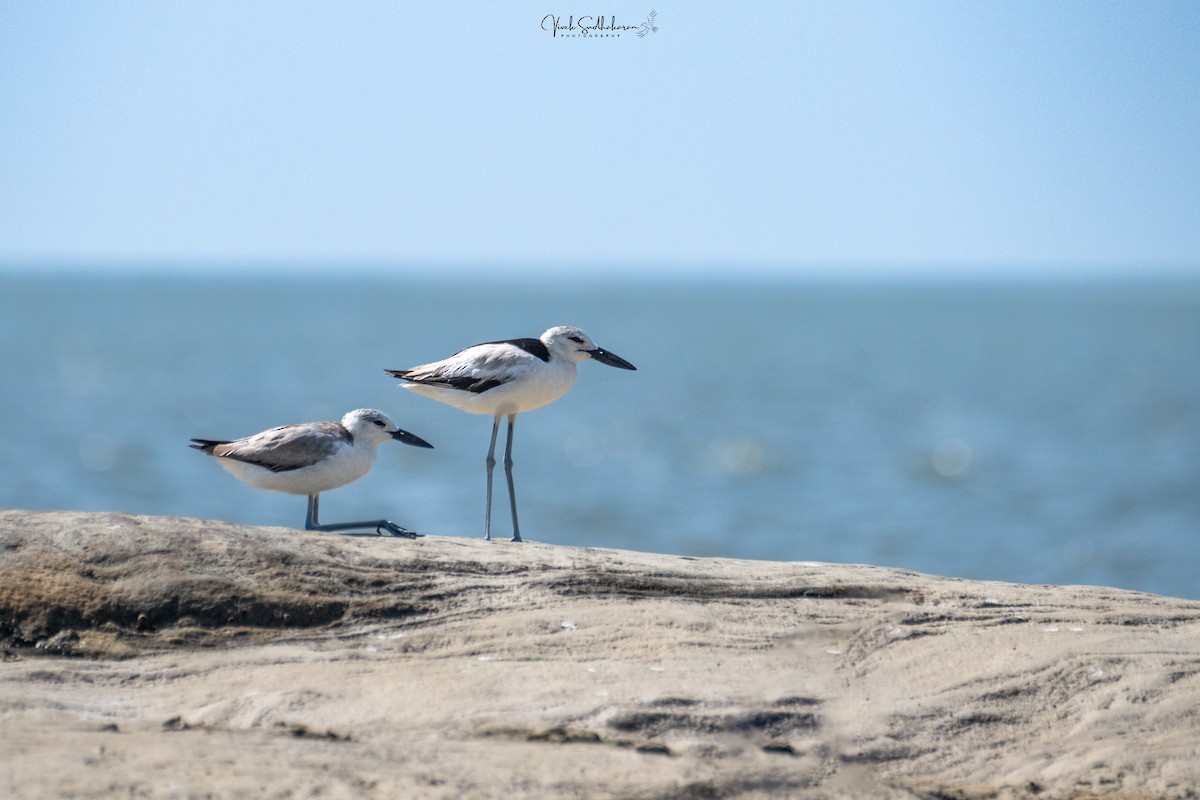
x,y
374,427
572,344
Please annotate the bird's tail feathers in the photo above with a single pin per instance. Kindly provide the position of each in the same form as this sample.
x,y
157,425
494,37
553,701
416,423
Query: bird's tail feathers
x,y
206,445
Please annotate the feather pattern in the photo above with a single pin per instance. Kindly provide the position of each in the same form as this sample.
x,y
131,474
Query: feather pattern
x,y
282,449
476,369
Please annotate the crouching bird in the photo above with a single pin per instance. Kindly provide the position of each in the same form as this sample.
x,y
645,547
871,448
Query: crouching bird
x,y
313,457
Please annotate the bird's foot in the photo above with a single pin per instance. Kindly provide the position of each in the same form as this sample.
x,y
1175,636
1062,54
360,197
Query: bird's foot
x,y
516,538
396,530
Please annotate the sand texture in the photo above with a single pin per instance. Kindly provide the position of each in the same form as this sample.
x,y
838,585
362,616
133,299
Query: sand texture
x,y
168,657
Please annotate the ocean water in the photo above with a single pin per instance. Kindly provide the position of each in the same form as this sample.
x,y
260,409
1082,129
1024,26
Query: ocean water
x,y
1021,432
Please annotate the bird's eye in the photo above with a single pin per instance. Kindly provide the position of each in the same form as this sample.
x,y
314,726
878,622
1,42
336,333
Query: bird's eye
x,y
575,339
380,423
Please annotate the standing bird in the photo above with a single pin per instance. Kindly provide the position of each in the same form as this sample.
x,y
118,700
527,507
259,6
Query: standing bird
x,y
313,457
504,379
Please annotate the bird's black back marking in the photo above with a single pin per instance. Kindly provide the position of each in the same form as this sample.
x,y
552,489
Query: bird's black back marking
x,y
534,347
466,383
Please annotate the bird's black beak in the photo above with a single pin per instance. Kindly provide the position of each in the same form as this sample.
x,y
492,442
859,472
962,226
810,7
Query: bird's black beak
x,y
611,359
408,438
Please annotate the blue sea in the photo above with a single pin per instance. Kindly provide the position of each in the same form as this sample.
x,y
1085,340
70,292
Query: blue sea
x,y
1019,431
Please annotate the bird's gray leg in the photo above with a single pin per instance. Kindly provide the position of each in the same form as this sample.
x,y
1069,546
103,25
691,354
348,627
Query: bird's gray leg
x,y
491,463
508,465
380,525
314,507
377,525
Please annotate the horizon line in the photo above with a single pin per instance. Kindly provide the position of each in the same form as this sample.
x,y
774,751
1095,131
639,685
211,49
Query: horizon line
x,y
509,268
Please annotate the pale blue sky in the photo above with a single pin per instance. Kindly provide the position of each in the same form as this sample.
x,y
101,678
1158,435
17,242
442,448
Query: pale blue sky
x,y
784,137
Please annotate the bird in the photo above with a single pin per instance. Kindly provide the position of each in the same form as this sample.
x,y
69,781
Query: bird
x,y
506,378
313,457
648,26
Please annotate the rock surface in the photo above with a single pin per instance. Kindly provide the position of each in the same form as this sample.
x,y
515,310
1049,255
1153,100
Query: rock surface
x,y
167,657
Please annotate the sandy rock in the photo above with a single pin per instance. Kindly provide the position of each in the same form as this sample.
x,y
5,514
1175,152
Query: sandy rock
x,y
166,657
